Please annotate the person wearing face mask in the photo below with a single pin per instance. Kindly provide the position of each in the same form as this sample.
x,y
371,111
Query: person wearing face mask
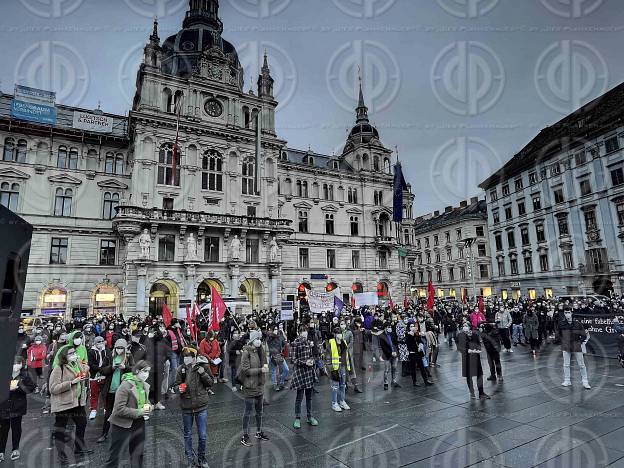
x,y
36,353
416,350
573,336
120,363
277,363
193,380
14,408
517,331
75,341
99,357
23,342
252,375
388,352
235,348
303,379
469,345
68,389
357,356
530,326
137,350
209,348
492,344
339,363
128,416
503,322
157,354
110,335
88,335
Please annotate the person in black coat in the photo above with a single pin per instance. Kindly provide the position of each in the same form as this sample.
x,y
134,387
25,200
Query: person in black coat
x,y
492,344
15,407
138,351
416,350
469,345
389,351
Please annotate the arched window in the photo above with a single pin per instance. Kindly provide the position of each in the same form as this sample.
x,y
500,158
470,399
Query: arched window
x,y
249,170
349,195
63,202
22,150
167,100
109,164
119,164
375,163
165,166
299,189
304,189
355,225
73,158
111,202
387,165
355,195
254,118
9,149
178,99
212,171
9,195
284,156
61,161
269,168
246,116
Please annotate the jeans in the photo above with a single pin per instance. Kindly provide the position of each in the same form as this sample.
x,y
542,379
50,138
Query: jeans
x,y
250,403
174,362
339,388
132,439
518,333
579,360
201,421
233,374
451,336
283,372
299,399
390,365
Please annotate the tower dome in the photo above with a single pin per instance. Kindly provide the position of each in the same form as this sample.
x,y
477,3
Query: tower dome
x,y
363,132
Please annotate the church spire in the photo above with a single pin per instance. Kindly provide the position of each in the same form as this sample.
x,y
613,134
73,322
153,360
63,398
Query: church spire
x,y
361,110
154,37
265,80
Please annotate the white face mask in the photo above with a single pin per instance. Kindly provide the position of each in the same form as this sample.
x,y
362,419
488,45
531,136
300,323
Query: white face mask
x,y
135,339
188,360
388,330
257,343
100,346
17,368
37,341
143,375
304,335
77,341
568,317
466,329
119,350
150,335
343,326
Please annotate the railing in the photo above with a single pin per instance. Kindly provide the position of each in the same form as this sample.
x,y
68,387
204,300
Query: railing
x,y
127,213
385,240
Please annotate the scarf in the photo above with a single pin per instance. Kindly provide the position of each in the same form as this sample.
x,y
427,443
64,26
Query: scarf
x,y
116,379
139,387
75,368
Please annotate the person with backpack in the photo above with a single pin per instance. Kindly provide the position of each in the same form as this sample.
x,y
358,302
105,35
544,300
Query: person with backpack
x,y
193,381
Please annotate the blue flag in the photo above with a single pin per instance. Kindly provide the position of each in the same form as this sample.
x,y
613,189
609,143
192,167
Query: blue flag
x,y
338,306
399,187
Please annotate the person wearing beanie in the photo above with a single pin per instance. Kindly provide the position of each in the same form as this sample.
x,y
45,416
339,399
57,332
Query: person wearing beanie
x,y
99,357
193,381
128,416
252,375
36,355
120,363
339,367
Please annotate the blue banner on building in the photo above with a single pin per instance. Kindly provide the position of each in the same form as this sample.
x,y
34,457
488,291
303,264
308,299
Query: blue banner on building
x,y
33,112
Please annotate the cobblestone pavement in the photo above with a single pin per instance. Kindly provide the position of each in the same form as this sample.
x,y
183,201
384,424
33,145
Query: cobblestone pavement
x,y
531,420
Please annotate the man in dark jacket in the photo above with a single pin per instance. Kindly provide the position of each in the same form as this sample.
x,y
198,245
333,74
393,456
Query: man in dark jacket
x,y
492,343
193,380
389,348
235,348
99,358
573,338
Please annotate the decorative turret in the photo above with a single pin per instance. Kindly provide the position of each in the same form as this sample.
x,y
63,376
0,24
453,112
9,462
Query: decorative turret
x,y
265,80
361,111
203,13
152,54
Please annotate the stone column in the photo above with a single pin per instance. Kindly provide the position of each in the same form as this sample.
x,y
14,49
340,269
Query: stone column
x,y
191,277
142,267
275,275
234,274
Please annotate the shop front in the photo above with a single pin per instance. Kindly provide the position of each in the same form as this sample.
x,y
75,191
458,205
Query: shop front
x,y
105,300
54,302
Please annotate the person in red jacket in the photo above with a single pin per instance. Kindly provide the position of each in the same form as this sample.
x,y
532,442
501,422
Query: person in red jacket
x,y
209,347
36,355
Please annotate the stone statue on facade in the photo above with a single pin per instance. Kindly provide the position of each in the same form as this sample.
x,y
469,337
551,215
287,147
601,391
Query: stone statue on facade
x,y
191,247
145,242
273,250
235,247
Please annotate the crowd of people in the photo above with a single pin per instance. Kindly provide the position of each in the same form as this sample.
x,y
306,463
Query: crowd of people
x,y
125,367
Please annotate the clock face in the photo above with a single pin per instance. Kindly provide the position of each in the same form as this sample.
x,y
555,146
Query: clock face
x,y
213,108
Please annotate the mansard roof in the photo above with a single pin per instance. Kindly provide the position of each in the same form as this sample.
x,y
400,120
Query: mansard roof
x,y
320,161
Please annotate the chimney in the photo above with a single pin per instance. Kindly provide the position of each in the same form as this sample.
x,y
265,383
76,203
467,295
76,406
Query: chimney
x,y
436,213
448,209
463,204
474,200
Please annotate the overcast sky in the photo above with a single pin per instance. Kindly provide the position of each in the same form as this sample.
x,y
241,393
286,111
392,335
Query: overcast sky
x,y
458,86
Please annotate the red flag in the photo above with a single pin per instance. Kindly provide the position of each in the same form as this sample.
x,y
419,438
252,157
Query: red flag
x,y
166,314
481,305
218,310
431,297
189,323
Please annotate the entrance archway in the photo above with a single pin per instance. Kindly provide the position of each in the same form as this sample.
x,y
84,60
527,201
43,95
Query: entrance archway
x,y
204,290
105,300
163,292
251,288
54,301
603,286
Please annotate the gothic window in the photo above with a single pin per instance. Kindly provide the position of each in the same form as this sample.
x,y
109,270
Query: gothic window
x,y
111,202
63,202
9,195
212,171
249,169
165,166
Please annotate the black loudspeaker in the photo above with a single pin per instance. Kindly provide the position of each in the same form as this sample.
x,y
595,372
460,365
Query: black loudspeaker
x,y
15,239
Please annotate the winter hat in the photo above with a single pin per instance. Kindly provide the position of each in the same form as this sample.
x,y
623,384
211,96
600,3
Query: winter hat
x,y
121,343
97,340
255,335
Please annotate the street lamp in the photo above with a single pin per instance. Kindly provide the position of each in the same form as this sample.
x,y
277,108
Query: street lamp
x,y
468,243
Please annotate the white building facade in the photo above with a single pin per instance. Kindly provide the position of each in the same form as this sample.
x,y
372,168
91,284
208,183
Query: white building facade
x,y
127,220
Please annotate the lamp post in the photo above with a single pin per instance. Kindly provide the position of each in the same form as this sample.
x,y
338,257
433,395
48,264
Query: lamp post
x,y
468,243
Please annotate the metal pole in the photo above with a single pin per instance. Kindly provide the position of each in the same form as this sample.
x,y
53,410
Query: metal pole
x,y
469,243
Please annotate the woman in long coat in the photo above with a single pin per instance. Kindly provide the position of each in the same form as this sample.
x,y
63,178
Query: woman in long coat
x,y
303,379
469,345
530,322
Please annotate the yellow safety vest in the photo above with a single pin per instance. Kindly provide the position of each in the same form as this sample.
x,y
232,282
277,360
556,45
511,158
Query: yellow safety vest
x,y
335,357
